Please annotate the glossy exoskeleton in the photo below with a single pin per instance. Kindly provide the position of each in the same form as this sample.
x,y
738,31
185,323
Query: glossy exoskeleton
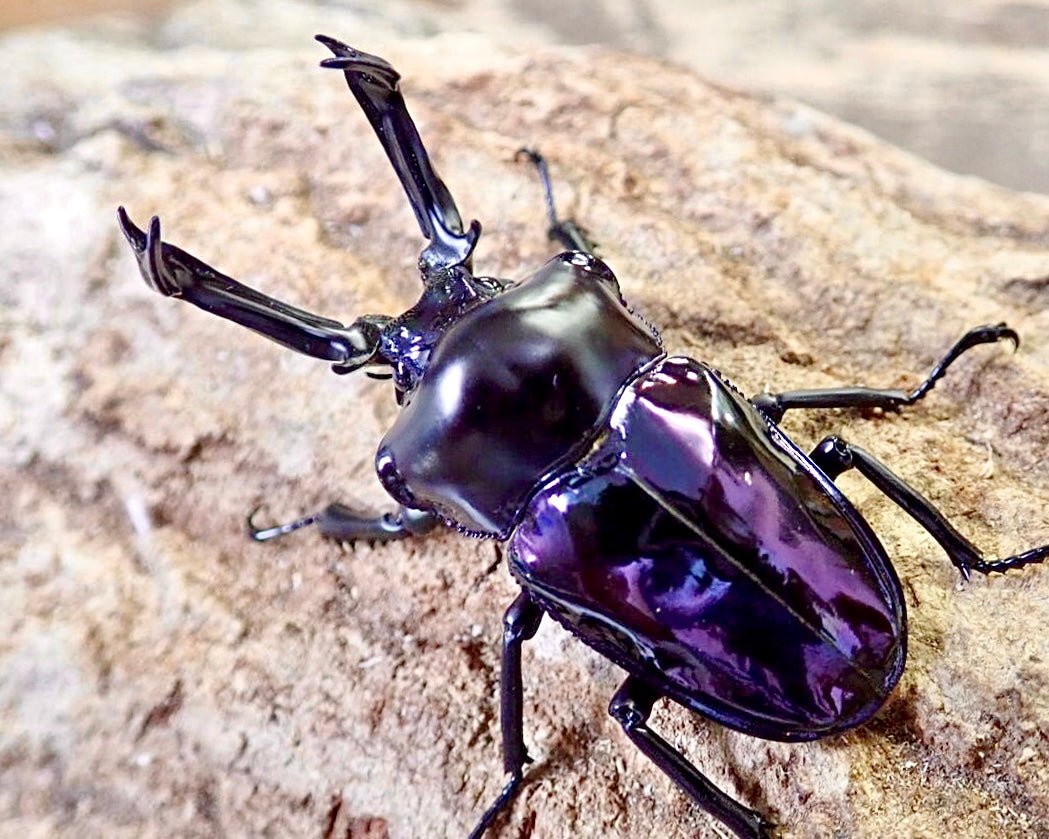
x,y
649,507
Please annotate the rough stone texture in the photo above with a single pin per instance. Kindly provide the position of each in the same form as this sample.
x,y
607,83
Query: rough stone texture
x,y
161,676
962,84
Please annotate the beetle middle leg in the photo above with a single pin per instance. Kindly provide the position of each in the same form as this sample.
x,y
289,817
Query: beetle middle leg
x,y
631,707
342,523
834,456
520,623
775,405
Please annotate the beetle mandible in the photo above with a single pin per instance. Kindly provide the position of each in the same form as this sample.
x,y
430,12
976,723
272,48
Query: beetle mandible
x,y
648,506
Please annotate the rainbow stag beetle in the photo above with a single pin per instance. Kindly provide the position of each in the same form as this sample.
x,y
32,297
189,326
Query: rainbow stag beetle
x,y
649,507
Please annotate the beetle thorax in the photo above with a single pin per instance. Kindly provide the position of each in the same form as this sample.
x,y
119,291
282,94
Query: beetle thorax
x,y
512,389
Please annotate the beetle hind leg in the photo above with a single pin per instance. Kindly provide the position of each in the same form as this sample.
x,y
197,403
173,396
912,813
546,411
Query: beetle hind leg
x,y
631,707
566,231
834,456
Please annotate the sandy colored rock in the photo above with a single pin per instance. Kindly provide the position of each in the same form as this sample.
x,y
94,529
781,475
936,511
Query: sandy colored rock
x,y
162,676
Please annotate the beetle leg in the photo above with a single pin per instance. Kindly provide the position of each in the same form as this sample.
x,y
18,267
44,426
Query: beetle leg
x,y
834,456
566,231
520,623
775,405
339,522
174,273
373,83
631,707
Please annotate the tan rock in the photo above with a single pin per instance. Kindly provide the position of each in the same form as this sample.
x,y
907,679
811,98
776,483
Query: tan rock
x,y
162,676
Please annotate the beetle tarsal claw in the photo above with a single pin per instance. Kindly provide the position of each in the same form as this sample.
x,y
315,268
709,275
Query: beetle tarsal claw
x,y
265,534
1008,334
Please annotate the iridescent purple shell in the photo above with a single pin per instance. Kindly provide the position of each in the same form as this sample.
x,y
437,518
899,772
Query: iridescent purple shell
x,y
700,550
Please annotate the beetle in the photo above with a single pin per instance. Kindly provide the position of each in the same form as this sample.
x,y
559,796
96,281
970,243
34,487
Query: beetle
x,y
648,506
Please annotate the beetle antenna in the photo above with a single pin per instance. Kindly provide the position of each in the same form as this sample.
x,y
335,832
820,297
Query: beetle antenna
x,y
567,232
544,175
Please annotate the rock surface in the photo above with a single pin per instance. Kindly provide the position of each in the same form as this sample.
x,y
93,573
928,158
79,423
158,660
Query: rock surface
x,y
961,84
162,676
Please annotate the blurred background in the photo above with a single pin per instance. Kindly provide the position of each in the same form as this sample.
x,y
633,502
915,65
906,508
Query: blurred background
x,y
965,85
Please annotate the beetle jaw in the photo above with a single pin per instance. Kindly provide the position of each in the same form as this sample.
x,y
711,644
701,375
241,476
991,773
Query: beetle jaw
x,y
364,337
449,251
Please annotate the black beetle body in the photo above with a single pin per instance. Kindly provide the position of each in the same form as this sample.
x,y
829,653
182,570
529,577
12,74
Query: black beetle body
x,y
648,506
548,356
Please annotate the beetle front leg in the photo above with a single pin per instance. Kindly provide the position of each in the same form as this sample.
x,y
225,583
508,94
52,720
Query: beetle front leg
x,y
343,524
631,707
520,623
775,405
834,456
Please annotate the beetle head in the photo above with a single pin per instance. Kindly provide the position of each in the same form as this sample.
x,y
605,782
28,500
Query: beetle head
x,y
405,343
